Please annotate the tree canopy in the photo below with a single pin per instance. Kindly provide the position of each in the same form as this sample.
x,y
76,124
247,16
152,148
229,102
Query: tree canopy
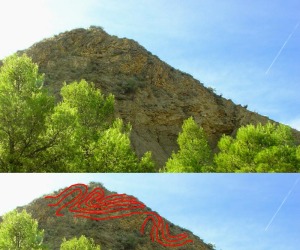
x,y
260,148
24,108
37,135
82,243
194,154
20,231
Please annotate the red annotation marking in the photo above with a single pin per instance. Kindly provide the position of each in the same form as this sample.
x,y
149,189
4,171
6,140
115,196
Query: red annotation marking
x,y
95,205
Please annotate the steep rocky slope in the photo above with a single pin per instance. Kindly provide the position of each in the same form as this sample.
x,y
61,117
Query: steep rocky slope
x,y
113,234
153,96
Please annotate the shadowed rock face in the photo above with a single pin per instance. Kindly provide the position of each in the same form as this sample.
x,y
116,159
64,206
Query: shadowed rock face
x,y
154,97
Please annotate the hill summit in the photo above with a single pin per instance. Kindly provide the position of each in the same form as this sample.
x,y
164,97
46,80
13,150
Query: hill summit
x,y
114,221
150,94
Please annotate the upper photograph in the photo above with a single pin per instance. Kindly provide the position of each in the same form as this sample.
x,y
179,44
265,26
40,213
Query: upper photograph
x,y
149,86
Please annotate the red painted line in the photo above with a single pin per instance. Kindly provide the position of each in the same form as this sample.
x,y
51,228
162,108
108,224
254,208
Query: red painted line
x,y
95,205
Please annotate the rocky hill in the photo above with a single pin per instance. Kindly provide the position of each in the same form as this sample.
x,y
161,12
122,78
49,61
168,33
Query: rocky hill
x,y
150,94
113,234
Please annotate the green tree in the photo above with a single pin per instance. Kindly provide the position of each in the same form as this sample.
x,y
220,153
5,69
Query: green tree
x,y
98,143
113,152
194,154
20,231
38,136
81,243
260,148
24,107
83,114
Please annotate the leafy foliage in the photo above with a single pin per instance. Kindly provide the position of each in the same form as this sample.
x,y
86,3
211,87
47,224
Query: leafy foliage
x,y
194,153
83,114
114,154
261,148
24,107
79,134
81,243
20,231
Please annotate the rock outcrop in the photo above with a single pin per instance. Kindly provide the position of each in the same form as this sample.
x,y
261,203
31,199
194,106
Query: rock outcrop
x,y
112,234
150,94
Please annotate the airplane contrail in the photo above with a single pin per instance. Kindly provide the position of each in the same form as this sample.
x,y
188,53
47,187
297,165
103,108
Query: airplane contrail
x,y
279,52
284,200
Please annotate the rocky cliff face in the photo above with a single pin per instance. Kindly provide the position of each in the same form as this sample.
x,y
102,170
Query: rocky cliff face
x,y
153,96
112,234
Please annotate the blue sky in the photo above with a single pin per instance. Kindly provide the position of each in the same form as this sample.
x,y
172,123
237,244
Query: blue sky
x,y
226,44
233,211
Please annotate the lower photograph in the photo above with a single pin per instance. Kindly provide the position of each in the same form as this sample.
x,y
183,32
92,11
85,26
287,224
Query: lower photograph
x,y
150,211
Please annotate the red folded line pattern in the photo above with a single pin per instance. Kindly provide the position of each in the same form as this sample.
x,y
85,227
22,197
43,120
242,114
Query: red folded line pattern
x,y
95,205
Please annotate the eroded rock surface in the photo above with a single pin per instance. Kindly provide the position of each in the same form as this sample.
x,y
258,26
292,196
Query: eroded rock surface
x,y
150,94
